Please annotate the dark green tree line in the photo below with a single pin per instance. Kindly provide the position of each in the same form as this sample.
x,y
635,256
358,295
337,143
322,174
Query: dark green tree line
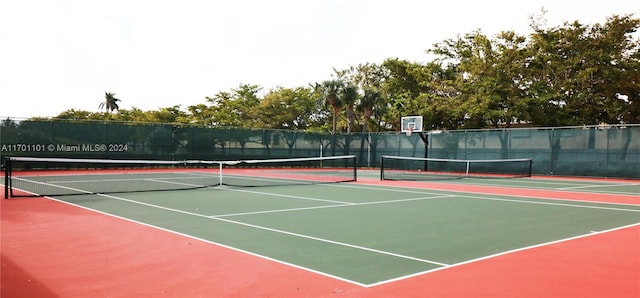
x,y
572,74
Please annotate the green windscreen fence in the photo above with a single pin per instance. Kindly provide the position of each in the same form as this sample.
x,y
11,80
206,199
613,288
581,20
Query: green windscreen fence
x,y
612,151
595,151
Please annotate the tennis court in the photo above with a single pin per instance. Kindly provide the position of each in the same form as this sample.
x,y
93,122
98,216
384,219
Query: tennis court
x,y
372,233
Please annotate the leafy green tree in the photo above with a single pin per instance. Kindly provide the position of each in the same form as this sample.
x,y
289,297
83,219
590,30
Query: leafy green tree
x,y
586,74
201,114
168,115
488,80
285,108
405,77
367,75
444,100
73,114
572,74
404,90
135,115
237,108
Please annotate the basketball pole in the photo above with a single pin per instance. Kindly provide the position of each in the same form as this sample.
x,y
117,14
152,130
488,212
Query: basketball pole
x,y
425,140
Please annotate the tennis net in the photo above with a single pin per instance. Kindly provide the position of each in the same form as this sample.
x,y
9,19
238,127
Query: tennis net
x,y
416,168
33,176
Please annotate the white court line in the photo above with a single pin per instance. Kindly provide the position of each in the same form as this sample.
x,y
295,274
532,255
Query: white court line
x,y
331,206
530,184
334,242
287,196
343,204
53,185
409,189
209,241
546,202
551,203
533,181
108,178
276,230
501,254
601,185
463,193
279,210
327,274
176,183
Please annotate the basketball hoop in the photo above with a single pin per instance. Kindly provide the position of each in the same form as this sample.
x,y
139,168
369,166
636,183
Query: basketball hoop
x,y
411,124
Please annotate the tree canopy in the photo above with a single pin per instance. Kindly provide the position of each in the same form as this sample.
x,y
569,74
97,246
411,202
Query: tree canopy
x,y
571,74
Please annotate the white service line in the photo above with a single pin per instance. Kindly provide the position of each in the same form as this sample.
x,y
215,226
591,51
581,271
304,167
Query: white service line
x,y
280,231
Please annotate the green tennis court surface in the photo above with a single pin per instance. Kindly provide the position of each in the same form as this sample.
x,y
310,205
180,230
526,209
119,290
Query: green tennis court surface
x,y
369,234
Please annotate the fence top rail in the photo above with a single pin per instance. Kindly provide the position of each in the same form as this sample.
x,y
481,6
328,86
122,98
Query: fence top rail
x,y
458,160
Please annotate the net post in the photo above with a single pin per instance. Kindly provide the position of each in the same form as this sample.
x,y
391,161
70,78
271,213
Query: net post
x,y
467,170
7,173
220,173
382,167
355,168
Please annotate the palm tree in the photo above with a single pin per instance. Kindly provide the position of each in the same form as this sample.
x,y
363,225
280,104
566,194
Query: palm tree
x,y
348,97
330,94
110,102
370,98
368,101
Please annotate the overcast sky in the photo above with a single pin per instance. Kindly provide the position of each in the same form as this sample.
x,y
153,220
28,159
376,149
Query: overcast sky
x,y
57,55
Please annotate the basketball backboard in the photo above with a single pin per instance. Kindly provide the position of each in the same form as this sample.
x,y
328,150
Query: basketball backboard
x,y
411,124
